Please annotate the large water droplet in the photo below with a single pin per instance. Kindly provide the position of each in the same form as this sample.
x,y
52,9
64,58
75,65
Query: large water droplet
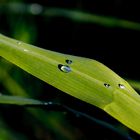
x,y
64,68
106,85
68,61
121,86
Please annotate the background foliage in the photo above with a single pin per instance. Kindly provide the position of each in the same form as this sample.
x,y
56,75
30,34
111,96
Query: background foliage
x,y
49,24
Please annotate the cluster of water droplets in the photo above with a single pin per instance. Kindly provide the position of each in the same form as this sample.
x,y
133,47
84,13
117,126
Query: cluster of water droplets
x,y
106,85
121,86
65,68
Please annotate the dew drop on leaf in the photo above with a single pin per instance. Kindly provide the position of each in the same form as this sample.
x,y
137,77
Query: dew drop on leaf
x,y
121,86
64,68
106,85
68,61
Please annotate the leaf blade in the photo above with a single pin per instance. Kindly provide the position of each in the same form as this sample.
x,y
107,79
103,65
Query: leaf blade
x,y
45,66
17,100
86,80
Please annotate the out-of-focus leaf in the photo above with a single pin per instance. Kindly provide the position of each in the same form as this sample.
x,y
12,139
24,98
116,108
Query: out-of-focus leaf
x,y
75,15
134,83
17,100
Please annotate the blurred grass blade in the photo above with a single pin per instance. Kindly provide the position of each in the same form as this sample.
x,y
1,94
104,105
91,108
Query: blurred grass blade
x,y
17,100
10,84
134,83
83,78
80,16
75,15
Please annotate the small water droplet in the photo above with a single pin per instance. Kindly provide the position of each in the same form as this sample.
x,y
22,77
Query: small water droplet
x,y
106,85
64,68
68,61
19,43
121,86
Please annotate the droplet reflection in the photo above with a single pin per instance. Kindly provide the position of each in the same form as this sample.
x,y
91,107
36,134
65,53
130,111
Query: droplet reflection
x,y
121,86
64,68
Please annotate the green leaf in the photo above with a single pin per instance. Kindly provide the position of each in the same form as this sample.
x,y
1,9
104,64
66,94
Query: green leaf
x,y
17,100
83,78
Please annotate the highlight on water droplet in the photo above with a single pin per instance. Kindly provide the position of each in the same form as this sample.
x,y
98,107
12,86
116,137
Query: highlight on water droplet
x,y
68,61
106,85
64,68
121,86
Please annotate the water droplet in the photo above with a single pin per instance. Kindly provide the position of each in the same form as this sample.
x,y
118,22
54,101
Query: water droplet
x,y
68,61
64,68
121,86
106,85
19,43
